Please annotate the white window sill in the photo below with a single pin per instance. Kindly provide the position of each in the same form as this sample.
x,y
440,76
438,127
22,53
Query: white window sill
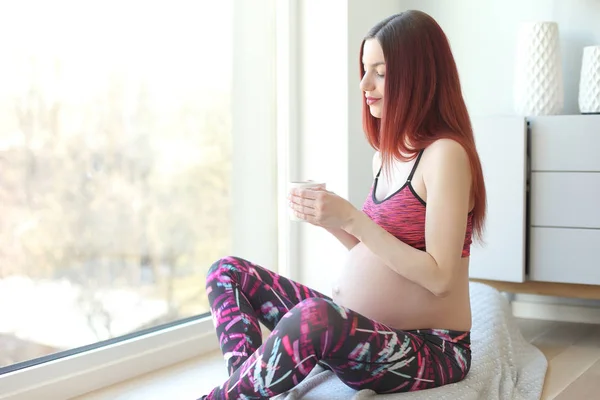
x,y
110,365
186,381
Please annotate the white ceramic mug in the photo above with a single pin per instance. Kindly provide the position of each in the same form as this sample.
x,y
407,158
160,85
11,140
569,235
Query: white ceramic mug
x,y
302,185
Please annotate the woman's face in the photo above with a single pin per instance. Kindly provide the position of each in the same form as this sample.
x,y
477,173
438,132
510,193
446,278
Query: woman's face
x,y
372,83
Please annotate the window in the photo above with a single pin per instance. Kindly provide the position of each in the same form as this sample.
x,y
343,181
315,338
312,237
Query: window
x,y
130,136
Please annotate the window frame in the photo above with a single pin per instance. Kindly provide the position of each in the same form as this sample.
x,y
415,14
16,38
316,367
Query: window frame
x,y
261,75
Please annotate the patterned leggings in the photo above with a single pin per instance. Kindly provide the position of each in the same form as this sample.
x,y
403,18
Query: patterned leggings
x,y
308,327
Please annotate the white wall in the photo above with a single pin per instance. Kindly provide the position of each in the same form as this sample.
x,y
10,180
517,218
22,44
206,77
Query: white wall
x,y
483,37
331,142
254,230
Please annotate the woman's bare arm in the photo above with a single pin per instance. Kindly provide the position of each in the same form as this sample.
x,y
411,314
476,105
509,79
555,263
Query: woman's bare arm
x,y
448,183
348,240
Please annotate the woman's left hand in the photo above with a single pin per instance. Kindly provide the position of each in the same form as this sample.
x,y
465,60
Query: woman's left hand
x,y
321,207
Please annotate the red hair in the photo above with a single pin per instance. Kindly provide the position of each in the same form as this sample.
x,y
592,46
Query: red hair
x,y
422,99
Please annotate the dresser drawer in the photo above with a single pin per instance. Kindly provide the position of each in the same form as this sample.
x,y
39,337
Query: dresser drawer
x,y
565,143
567,199
564,255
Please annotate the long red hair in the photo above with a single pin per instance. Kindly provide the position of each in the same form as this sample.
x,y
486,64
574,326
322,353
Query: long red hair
x,y
423,99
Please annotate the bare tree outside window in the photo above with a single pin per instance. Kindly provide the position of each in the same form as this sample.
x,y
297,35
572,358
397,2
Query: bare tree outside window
x,y
115,166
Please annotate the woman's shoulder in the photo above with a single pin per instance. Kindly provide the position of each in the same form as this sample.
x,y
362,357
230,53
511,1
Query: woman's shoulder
x,y
446,160
446,146
446,153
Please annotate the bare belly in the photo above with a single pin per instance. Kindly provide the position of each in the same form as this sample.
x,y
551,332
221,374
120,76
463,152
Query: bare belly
x,y
369,287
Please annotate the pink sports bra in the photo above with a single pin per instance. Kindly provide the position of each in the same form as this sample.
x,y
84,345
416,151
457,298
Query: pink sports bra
x,y
403,214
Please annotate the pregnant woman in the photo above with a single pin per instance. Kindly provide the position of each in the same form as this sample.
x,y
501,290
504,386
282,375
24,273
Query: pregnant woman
x,y
398,318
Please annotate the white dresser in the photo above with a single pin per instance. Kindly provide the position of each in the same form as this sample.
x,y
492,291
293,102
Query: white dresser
x,y
543,181
564,226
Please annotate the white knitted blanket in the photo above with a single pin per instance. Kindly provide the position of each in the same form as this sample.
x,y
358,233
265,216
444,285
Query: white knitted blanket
x,y
504,365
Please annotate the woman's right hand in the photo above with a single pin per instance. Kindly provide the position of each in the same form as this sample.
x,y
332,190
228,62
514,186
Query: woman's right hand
x,y
319,187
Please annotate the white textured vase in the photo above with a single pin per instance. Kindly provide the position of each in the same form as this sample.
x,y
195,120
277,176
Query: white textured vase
x,y
538,85
589,81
